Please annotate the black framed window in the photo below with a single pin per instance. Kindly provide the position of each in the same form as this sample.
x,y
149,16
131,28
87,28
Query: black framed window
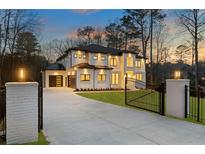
x,y
101,77
113,62
85,77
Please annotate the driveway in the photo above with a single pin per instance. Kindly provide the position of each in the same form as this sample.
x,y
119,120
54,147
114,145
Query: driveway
x,y
72,119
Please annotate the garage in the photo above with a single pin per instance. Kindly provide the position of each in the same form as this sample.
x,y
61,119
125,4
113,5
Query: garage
x,y
54,76
55,81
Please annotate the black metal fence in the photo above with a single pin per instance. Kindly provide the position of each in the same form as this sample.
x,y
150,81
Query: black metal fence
x,y
2,113
195,103
40,104
151,97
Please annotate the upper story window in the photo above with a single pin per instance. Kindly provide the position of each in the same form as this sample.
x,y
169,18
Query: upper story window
x,y
95,57
113,62
103,58
129,61
138,63
79,55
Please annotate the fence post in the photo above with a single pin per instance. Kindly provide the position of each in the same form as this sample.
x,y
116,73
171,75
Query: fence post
x,y
126,88
198,103
162,98
40,104
186,90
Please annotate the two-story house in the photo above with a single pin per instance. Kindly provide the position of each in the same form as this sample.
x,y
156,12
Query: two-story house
x,y
95,67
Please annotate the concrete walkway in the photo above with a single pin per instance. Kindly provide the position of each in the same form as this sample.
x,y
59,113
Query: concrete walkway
x,y
72,119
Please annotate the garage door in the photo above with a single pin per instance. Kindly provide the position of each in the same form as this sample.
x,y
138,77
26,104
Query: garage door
x,y
55,80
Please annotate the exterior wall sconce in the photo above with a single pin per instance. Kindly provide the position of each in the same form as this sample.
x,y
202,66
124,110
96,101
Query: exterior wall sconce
x,y
177,74
21,74
55,73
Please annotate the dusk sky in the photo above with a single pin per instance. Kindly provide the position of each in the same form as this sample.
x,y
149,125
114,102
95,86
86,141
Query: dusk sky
x,y
58,24
61,24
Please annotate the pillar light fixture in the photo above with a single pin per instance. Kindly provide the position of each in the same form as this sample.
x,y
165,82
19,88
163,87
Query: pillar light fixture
x,y
21,74
177,74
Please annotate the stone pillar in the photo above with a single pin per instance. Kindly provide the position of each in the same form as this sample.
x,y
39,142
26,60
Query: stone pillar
x,y
175,97
21,112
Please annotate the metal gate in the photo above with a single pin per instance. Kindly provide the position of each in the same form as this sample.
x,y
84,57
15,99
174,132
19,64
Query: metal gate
x,y
40,103
195,104
151,98
2,113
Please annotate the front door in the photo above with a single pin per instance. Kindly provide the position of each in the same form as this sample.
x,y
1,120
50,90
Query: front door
x,y
55,80
69,81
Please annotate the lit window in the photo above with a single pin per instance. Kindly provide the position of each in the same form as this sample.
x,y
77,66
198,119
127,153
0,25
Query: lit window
x,y
139,76
102,58
138,63
129,62
115,78
101,77
113,62
79,56
95,57
85,77
130,74
75,55
84,56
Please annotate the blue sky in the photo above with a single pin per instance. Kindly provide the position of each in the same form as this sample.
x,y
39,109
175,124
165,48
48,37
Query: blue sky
x,y
57,24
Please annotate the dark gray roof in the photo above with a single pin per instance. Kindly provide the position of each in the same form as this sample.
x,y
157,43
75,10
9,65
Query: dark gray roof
x,y
55,66
98,49
94,48
86,65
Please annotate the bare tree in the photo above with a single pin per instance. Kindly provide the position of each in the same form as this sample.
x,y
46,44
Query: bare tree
x,y
60,46
5,27
99,35
140,18
114,36
193,21
164,55
86,34
47,51
182,53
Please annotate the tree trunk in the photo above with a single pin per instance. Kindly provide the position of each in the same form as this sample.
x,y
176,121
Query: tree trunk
x,y
196,49
151,32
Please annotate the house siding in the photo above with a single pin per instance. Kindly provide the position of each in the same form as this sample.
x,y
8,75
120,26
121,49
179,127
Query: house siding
x,y
84,84
70,61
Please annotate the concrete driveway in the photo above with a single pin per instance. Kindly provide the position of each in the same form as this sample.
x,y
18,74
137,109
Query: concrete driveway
x,y
72,119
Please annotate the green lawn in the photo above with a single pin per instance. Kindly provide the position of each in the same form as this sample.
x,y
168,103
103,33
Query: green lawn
x,y
41,140
118,98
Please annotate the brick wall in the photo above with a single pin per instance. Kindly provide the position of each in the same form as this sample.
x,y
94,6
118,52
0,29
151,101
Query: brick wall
x,y
21,112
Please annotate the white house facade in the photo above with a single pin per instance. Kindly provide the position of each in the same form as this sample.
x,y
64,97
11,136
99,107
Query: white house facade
x,y
95,67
